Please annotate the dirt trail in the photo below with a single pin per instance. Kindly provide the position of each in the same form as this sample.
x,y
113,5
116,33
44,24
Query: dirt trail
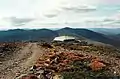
x,y
20,62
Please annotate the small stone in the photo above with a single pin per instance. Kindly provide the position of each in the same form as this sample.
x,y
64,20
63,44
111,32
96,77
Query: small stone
x,y
40,72
114,72
0,62
19,77
17,73
40,76
46,64
58,77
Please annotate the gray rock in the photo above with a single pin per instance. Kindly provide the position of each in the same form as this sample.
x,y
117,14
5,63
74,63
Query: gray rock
x,y
40,72
20,76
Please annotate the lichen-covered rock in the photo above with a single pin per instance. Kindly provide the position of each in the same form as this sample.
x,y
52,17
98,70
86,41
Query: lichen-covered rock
x,y
96,65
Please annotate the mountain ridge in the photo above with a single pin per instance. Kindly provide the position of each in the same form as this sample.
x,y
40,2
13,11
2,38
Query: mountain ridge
x,y
49,35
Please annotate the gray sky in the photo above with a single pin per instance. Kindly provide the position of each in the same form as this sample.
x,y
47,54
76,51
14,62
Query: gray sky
x,y
59,13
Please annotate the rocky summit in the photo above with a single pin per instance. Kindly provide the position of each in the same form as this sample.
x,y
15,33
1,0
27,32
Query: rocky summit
x,y
55,60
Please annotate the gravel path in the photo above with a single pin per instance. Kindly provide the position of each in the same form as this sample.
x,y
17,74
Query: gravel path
x,y
20,62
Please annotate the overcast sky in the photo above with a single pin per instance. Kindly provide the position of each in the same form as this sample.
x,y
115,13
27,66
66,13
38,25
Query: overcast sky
x,y
59,13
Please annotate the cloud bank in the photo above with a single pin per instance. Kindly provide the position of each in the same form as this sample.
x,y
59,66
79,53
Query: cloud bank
x,y
59,13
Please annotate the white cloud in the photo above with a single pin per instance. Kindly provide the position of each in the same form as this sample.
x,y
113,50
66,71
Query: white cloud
x,y
18,21
57,13
80,9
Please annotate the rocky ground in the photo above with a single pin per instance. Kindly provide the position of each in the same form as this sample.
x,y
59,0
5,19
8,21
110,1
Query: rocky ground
x,y
21,60
63,61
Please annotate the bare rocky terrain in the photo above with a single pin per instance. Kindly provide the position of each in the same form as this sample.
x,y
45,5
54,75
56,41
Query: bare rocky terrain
x,y
58,61
20,61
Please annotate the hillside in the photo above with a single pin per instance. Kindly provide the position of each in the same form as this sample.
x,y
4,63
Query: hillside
x,y
116,37
49,35
106,31
26,35
54,61
88,34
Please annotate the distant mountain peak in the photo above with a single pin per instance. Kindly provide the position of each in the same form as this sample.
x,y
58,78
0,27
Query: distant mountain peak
x,y
67,28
